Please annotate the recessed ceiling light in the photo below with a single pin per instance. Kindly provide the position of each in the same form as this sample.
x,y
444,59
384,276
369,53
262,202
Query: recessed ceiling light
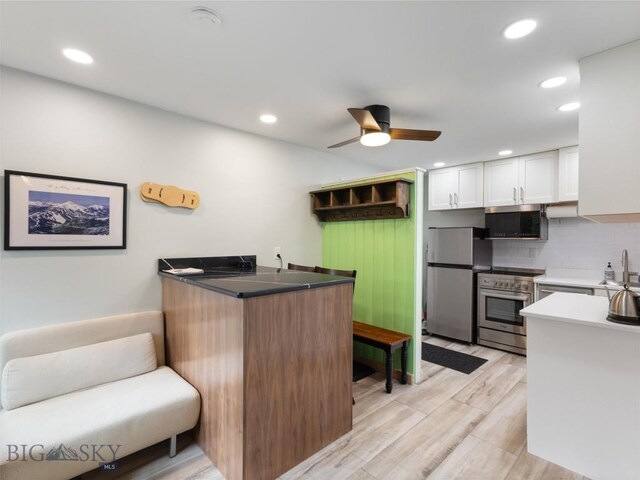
x,y
553,82
439,164
505,152
77,56
206,17
268,118
520,29
375,139
568,107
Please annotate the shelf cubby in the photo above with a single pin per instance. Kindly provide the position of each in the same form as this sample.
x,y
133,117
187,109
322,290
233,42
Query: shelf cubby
x,y
371,201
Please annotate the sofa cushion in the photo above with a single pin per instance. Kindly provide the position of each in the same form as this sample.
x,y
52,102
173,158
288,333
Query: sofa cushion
x,y
134,413
32,379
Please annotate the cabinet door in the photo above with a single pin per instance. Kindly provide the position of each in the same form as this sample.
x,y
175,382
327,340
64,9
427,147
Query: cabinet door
x,y
441,187
501,182
539,178
568,174
469,193
609,133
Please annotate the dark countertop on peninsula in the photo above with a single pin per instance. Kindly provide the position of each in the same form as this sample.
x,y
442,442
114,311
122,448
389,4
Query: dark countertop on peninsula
x,y
258,281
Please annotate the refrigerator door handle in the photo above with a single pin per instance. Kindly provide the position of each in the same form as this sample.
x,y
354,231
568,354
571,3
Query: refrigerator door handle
x,y
450,200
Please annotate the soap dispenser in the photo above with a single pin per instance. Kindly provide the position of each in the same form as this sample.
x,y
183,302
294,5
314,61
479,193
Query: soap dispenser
x,y
609,274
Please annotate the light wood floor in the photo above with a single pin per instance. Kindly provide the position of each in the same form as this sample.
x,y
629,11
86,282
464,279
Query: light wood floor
x,y
451,426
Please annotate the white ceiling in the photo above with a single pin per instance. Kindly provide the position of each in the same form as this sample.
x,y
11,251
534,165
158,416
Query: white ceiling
x,y
438,65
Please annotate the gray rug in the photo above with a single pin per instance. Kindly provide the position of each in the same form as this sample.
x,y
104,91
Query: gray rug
x,y
461,362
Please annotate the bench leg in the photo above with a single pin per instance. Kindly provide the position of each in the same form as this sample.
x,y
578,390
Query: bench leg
x,y
403,363
172,446
389,365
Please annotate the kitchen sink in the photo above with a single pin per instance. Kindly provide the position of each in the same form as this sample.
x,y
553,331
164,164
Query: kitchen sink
x,y
615,283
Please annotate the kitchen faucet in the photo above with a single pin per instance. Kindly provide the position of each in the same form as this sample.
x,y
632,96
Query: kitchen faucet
x,y
625,266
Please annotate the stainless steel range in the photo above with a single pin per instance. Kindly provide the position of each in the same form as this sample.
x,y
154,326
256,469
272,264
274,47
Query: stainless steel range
x,y
502,293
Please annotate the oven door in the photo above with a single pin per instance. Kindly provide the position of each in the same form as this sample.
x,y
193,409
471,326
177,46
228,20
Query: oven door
x,y
501,310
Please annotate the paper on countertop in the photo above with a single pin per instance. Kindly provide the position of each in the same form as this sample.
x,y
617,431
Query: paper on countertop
x,y
184,271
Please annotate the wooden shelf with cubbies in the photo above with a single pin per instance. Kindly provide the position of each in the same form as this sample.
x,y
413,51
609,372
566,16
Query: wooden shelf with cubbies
x,y
371,201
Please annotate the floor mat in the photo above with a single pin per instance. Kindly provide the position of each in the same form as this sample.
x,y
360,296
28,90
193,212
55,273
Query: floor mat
x,y
459,361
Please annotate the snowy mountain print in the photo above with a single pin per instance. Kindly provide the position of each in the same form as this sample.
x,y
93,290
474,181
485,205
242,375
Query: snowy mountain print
x,y
67,214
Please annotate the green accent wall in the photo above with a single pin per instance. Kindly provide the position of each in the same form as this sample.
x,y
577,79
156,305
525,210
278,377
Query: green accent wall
x,y
383,253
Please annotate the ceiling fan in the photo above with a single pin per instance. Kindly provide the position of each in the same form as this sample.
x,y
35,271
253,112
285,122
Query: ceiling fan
x,y
375,131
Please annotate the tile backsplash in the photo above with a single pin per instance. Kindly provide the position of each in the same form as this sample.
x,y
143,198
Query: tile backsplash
x,y
574,243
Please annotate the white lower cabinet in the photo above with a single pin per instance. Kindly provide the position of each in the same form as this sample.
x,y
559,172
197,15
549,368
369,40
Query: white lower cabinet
x,y
456,187
522,180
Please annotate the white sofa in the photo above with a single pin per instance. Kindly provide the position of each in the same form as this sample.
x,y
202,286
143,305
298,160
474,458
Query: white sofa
x,y
79,394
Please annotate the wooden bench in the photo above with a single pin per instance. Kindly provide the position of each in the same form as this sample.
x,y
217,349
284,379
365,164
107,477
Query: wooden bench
x,y
387,340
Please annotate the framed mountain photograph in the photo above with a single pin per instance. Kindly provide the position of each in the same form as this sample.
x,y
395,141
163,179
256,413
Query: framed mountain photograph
x,y
45,212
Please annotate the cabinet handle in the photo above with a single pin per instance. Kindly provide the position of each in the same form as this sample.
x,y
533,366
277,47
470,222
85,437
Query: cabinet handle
x,y
455,199
521,194
450,201
515,200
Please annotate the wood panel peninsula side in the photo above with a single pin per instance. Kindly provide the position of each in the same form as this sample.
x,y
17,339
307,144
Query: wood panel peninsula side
x,y
270,351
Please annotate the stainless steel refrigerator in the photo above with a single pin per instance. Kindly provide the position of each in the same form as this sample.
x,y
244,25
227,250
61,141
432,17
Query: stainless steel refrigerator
x,y
454,256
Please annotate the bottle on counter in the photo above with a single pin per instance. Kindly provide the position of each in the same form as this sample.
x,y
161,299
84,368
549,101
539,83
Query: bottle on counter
x,y
609,274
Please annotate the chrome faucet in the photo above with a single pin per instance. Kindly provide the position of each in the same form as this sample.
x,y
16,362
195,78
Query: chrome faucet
x,y
625,266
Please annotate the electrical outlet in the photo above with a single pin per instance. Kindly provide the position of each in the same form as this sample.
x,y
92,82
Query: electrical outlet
x,y
277,251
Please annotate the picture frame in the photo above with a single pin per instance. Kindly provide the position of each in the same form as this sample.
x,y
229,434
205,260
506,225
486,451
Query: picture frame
x,y
51,212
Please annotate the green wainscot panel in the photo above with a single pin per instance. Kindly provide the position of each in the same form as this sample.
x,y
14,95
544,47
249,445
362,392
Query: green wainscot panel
x,y
382,252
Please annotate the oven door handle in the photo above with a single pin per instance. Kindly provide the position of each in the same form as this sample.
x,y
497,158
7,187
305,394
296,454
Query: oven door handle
x,y
488,293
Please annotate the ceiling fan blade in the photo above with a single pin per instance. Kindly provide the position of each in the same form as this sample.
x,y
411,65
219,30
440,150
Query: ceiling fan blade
x,y
364,119
406,134
346,142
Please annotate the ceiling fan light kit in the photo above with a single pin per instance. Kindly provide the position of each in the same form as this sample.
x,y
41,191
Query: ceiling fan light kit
x,y
375,139
375,131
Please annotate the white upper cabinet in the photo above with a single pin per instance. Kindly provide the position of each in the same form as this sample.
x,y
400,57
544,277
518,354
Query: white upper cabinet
x,y
441,189
539,178
569,164
456,187
469,179
501,182
609,133
522,180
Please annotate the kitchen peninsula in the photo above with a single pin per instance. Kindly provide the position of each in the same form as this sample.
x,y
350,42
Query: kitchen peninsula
x,y
270,351
583,387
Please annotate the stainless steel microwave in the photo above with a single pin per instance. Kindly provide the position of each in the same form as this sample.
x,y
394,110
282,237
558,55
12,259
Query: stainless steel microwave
x,y
518,222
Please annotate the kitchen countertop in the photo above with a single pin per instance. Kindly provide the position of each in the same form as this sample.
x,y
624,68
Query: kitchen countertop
x,y
575,277
575,308
257,281
588,282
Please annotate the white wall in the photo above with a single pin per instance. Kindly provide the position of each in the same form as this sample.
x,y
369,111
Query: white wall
x,y
254,196
574,243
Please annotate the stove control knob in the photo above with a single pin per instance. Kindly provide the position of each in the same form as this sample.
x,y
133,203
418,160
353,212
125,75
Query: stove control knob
x,y
517,286
525,286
